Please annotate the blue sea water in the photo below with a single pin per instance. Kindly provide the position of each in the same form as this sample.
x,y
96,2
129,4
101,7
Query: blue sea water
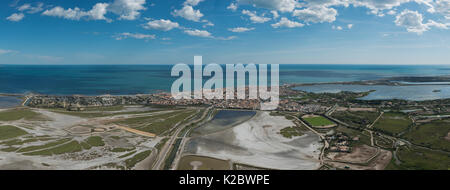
x,y
139,79
9,102
384,92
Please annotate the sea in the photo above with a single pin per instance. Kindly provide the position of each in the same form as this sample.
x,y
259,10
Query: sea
x,y
145,79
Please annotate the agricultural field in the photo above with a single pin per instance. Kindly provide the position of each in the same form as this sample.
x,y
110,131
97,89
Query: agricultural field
x,y
433,135
19,113
7,132
360,119
318,121
157,123
393,123
414,158
290,132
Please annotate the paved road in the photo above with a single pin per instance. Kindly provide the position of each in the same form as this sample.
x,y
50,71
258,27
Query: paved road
x,y
165,150
322,153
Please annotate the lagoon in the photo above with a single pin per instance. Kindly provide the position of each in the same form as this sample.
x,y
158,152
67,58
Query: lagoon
x,y
385,92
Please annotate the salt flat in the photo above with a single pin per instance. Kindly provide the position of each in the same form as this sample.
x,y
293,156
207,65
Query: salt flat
x,y
257,142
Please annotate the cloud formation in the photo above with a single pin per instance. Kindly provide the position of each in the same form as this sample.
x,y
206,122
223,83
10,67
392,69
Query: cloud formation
x,y
97,12
127,9
286,23
15,17
316,14
279,5
162,24
198,33
413,22
139,36
254,17
240,29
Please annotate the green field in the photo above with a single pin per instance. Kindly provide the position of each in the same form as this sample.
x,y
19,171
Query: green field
x,y
19,113
360,119
431,135
131,162
318,121
363,139
159,123
393,123
21,142
95,141
85,114
71,147
207,163
290,132
420,159
7,132
119,149
45,146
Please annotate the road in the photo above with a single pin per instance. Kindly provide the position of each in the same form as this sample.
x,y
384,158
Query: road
x,y
370,127
322,153
165,150
184,139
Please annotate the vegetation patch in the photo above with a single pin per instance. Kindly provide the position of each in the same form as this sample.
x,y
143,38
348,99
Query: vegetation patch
x,y
359,119
393,123
290,132
318,121
420,159
19,113
172,154
431,135
48,145
21,142
130,163
95,141
7,132
127,154
157,124
71,147
122,149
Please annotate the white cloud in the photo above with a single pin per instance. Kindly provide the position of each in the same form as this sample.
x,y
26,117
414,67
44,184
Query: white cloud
x,y
162,24
254,17
279,5
127,9
316,14
232,6
139,36
207,23
391,12
336,27
275,14
284,22
240,29
441,7
192,2
199,33
413,22
376,6
349,26
5,51
15,17
97,12
226,38
31,9
189,13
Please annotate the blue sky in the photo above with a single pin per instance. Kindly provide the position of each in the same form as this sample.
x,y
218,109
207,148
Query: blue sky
x,y
225,31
